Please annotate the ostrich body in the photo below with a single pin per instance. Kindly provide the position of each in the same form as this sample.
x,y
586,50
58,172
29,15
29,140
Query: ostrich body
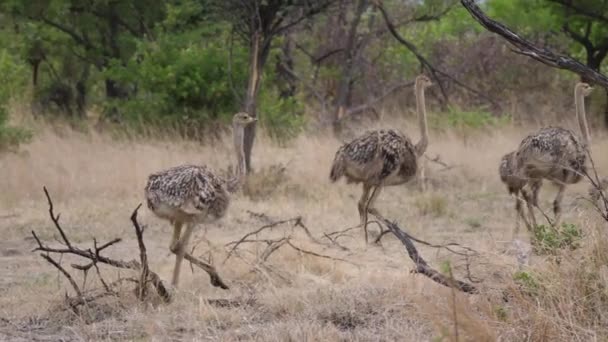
x,y
382,158
191,194
555,154
515,185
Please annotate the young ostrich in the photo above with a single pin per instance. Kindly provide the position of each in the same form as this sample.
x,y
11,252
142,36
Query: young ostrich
x,y
555,154
508,175
382,158
190,194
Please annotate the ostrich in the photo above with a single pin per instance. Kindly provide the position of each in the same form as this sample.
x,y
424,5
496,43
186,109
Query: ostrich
x,y
382,158
515,185
191,194
555,154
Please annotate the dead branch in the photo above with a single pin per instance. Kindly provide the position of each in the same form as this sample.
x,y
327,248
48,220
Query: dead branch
x,y
143,258
527,48
334,242
301,250
94,256
272,247
214,277
65,273
373,102
597,190
235,244
437,160
421,265
379,237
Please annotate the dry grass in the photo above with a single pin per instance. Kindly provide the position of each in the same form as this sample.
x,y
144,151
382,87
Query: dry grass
x,y
97,181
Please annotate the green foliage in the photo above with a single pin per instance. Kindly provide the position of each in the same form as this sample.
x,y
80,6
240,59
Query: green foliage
x,y
473,119
281,117
179,82
548,239
446,268
501,312
12,84
550,21
527,281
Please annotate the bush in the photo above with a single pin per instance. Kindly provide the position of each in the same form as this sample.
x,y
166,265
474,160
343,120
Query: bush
x,y
527,282
12,82
12,137
281,117
476,119
548,239
177,83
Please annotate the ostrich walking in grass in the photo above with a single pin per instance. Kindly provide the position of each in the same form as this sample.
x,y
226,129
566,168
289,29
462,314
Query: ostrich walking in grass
x,y
555,154
508,175
382,158
190,194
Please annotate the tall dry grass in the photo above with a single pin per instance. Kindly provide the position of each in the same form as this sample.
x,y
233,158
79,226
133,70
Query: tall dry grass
x,y
97,180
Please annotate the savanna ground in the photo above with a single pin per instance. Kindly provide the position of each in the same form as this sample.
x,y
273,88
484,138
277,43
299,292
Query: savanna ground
x,y
97,181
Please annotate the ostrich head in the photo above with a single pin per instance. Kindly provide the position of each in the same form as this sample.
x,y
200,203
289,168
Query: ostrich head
x,y
583,88
423,81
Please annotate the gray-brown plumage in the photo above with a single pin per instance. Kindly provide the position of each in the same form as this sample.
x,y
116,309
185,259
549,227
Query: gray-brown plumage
x,y
382,157
515,185
191,194
555,154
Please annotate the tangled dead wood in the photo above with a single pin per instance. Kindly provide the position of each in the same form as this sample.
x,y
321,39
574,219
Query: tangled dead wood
x,y
274,244
94,257
422,266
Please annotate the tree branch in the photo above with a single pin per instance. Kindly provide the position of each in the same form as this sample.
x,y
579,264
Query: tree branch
x,y
72,33
374,101
527,48
426,64
421,265
580,10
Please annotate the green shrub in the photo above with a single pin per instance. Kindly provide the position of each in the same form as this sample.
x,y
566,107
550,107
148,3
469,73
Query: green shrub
x,y
527,281
281,117
475,119
548,239
179,83
12,83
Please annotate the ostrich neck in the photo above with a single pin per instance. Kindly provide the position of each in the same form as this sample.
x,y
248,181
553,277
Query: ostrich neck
x,y
579,102
238,134
421,109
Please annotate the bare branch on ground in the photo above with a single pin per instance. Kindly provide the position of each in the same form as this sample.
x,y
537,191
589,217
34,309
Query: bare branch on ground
x,y
421,265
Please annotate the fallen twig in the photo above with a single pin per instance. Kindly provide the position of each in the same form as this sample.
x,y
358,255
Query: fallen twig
x,y
299,249
437,160
421,265
235,244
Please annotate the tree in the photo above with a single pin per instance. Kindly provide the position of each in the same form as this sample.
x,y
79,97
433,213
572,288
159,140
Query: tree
x,y
525,47
258,23
581,24
102,32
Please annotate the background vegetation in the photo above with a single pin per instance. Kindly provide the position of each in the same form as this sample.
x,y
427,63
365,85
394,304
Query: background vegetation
x,y
187,64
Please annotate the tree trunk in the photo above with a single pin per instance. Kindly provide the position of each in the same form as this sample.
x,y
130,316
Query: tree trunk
x,y
81,93
285,63
258,53
350,52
